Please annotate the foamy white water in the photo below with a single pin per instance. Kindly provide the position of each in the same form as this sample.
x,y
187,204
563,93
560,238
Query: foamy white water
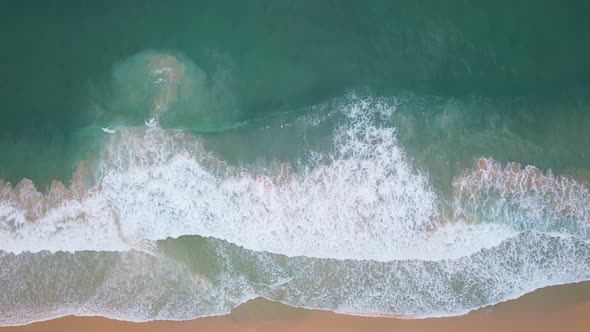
x,y
356,228
170,287
363,201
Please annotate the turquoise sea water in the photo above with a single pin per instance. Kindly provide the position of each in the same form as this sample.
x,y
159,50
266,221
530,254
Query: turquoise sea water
x,y
418,158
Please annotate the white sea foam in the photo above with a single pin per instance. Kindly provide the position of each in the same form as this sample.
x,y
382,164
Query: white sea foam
x,y
524,197
136,286
362,201
129,285
108,130
362,230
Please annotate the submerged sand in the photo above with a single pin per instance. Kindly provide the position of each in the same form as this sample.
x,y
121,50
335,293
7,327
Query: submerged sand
x,y
558,308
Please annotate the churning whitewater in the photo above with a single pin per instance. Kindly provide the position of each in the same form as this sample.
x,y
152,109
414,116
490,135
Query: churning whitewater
x,y
354,225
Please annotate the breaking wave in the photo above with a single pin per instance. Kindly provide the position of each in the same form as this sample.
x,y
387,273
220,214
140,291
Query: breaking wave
x,y
159,227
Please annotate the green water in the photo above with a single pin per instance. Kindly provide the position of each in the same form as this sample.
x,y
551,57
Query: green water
x,y
301,151
58,62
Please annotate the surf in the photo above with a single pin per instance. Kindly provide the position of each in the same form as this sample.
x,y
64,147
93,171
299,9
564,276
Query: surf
x,y
352,223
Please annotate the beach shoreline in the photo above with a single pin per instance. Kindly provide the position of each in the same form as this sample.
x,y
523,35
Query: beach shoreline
x,y
556,308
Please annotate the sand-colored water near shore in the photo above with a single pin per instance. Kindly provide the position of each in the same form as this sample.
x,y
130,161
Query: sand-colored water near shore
x,y
559,308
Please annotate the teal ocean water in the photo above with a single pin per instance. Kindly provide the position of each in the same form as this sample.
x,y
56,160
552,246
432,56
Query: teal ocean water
x,y
172,160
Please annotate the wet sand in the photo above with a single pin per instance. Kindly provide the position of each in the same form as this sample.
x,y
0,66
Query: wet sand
x,y
559,308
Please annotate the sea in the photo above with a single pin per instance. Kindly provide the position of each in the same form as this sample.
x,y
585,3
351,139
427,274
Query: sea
x,y
170,160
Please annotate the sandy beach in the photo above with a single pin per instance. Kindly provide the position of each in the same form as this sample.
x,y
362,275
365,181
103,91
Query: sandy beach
x,y
559,308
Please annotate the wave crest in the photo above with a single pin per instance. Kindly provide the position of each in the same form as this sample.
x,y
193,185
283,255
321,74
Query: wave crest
x,y
524,197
